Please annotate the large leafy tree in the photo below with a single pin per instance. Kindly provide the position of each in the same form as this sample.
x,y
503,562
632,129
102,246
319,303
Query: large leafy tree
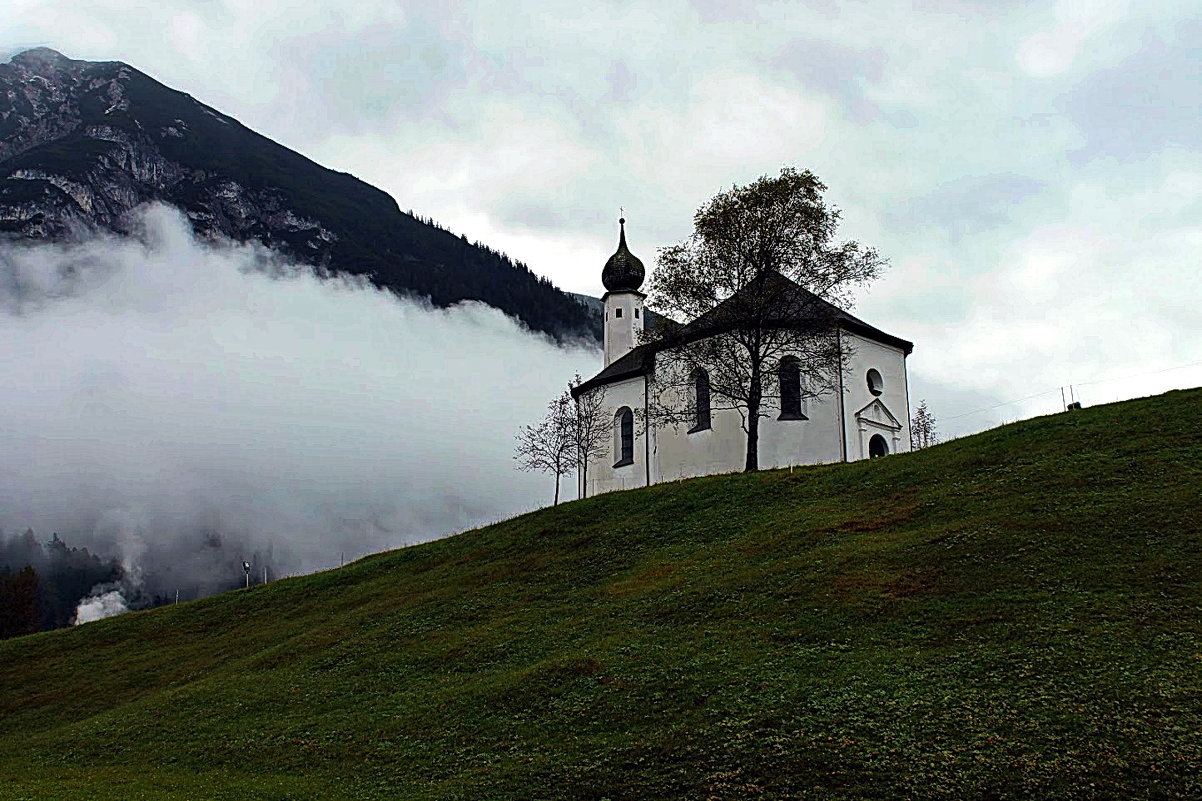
x,y
760,279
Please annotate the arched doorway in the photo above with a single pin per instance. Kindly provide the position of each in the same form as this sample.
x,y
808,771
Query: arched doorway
x,y
877,446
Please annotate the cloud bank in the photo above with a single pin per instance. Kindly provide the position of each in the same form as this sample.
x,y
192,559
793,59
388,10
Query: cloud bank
x,y
186,405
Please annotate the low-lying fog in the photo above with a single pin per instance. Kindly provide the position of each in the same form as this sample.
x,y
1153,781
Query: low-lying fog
x,y
183,406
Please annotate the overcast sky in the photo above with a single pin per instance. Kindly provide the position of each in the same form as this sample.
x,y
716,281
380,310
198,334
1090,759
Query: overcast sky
x,y
1032,170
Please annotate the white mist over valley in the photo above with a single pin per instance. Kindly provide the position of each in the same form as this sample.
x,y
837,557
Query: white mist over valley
x,y
182,406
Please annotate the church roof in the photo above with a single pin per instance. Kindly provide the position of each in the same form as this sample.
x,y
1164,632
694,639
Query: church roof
x,y
805,303
623,270
636,362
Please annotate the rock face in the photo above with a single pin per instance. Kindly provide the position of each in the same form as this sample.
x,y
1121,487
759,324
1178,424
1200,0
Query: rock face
x,y
83,143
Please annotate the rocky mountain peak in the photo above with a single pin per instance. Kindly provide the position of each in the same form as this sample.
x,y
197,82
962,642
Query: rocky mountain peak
x,y
84,143
39,56
48,64
45,96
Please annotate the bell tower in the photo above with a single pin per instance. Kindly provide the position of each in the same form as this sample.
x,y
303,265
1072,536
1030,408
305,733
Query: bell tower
x,y
624,314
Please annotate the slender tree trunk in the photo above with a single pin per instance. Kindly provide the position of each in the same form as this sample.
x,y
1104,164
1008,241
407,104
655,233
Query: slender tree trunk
x,y
753,422
753,441
557,475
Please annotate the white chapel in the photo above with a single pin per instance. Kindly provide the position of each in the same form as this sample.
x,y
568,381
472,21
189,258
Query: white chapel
x,y
867,416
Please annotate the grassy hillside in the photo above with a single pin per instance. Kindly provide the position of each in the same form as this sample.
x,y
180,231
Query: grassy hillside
x,y
1012,615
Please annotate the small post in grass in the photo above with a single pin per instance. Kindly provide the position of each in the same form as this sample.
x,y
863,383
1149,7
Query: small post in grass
x,y
246,570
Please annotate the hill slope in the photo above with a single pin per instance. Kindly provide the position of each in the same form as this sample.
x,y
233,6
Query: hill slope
x,y
1012,615
82,143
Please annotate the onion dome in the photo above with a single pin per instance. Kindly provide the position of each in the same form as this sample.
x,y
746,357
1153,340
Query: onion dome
x,y
624,270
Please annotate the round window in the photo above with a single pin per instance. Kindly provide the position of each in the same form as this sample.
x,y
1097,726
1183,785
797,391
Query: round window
x,y
876,384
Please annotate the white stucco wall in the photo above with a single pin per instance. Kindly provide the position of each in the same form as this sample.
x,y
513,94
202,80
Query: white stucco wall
x,y
602,475
723,447
675,453
812,441
623,322
717,449
890,362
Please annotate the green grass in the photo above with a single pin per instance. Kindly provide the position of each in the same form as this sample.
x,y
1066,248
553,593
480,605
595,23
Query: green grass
x,y
1016,614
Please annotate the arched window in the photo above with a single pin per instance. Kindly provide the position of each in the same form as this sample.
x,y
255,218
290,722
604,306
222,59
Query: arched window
x,y
623,437
877,446
701,401
789,376
876,384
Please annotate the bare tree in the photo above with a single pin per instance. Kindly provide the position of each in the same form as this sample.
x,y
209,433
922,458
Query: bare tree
x,y
758,278
922,428
590,427
550,445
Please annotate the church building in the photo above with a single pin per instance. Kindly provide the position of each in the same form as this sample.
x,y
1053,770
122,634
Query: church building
x,y
866,416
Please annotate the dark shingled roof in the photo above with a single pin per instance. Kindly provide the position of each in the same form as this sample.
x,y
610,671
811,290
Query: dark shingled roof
x,y
640,359
636,362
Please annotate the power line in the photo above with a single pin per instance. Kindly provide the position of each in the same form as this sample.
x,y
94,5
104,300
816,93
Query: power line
x,y
1137,375
1075,384
1006,403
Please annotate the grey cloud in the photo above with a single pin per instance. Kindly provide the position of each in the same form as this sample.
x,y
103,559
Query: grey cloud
x,y
902,118
970,206
1148,102
715,12
932,304
970,10
538,215
592,203
363,79
836,70
622,82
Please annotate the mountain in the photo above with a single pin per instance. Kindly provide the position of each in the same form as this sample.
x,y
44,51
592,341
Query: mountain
x,y
1013,615
82,143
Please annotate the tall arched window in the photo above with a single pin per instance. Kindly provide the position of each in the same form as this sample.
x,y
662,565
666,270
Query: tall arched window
x,y
623,437
789,376
701,401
